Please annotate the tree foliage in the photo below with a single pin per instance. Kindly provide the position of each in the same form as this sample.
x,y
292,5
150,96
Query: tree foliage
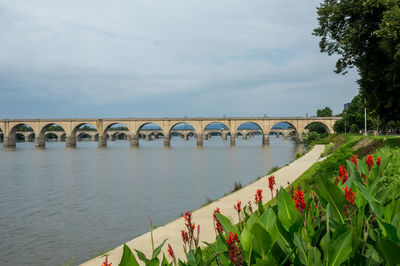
x,y
326,112
365,34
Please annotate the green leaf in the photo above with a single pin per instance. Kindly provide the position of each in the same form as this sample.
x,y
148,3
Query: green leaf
x,y
153,262
128,259
375,205
164,261
260,207
325,245
226,224
141,256
390,230
158,249
246,238
332,194
287,211
302,247
341,247
191,259
354,173
262,239
390,251
267,220
314,257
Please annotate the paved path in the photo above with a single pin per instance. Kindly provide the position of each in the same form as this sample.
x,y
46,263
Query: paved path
x,y
203,216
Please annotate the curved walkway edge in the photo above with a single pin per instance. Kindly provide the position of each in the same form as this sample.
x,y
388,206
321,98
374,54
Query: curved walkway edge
x,y
203,216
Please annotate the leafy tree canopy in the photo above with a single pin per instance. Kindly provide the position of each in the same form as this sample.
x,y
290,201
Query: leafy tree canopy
x,y
326,112
366,35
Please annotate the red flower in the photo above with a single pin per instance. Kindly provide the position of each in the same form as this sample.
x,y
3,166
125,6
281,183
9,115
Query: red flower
x,y
105,263
299,200
369,161
258,196
378,161
271,182
343,175
235,254
185,236
349,194
365,178
354,160
238,206
171,252
218,226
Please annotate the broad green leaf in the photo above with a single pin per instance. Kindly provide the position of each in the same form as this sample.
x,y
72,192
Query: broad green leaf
x,y
354,173
324,244
141,256
314,257
260,207
246,237
373,254
375,205
158,249
362,166
128,259
153,262
341,249
302,247
191,259
390,230
267,220
332,194
226,224
390,251
164,261
287,211
262,239
284,240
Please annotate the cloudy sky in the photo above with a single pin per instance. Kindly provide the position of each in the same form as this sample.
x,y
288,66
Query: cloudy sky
x,y
161,58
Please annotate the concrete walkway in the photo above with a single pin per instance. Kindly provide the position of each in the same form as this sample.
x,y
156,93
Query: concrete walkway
x,y
203,216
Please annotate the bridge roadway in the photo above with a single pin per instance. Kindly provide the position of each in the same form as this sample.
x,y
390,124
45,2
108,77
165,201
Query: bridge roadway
x,y
9,127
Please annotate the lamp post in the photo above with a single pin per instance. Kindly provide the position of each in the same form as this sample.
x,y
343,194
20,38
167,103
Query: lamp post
x,y
365,117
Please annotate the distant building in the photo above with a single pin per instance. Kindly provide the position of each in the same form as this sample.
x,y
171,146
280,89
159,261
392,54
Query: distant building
x,y
346,106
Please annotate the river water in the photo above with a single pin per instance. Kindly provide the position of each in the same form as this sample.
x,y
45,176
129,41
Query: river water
x,y
58,204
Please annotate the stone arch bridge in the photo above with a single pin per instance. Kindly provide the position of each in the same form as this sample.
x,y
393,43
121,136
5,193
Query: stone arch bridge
x,y
9,127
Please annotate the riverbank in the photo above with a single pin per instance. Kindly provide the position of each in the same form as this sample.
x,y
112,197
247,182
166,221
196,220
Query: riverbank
x,y
203,216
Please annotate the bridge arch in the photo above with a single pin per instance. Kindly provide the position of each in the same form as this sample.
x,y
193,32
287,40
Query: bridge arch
x,y
289,126
1,135
318,127
40,140
112,129
10,140
49,136
176,128
83,126
216,127
144,131
244,128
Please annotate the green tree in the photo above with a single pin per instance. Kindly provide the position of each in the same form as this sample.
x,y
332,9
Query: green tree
x,y
365,35
326,112
354,129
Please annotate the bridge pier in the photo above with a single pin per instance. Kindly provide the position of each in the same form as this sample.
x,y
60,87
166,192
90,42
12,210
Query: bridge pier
x,y
102,141
134,139
244,136
205,136
285,136
70,141
233,139
40,141
186,137
148,137
167,140
265,139
199,139
9,142
299,137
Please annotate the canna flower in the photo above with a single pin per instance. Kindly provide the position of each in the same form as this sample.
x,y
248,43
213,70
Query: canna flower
x,y
271,182
343,175
238,206
105,263
364,177
218,226
171,253
354,160
235,253
369,161
349,194
299,200
188,236
185,237
258,196
378,161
